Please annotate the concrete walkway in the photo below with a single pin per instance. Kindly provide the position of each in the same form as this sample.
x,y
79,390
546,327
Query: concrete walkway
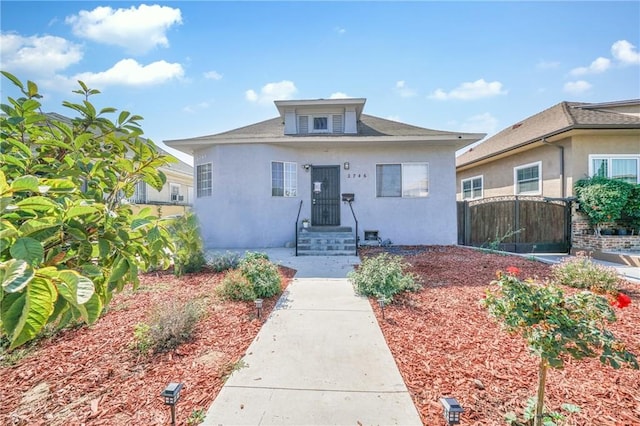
x,y
319,359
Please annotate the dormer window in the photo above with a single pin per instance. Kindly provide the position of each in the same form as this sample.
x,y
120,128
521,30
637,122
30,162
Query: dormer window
x,y
321,124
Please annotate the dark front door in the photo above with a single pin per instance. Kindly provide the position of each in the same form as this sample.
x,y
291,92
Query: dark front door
x,y
325,195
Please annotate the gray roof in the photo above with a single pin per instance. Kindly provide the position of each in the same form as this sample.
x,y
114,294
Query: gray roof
x,y
558,119
368,126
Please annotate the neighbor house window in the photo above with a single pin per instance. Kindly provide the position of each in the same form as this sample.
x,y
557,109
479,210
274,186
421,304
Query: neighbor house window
x,y
284,179
204,180
407,180
623,167
528,178
472,188
174,189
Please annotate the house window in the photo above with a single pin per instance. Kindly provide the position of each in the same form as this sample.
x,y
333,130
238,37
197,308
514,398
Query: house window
x,y
174,190
204,180
320,124
284,179
527,178
407,180
472,188
623,167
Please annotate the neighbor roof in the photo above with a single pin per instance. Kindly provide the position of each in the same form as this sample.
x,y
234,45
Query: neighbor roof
x,y
558,119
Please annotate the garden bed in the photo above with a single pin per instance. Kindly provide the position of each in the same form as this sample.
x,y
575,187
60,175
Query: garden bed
x,y
91,375
445,344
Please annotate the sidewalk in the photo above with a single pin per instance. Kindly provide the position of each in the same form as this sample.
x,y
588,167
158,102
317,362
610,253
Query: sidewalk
x,y
319,359
630,273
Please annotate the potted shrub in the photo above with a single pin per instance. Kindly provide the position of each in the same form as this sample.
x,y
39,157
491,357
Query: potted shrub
x,y
306,223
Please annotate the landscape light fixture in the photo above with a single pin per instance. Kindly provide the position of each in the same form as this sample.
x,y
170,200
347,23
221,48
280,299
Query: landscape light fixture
x,y
381,303
452,410
258,303
171,395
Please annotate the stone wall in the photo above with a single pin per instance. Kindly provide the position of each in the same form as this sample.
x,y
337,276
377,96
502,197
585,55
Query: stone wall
x,y
583,238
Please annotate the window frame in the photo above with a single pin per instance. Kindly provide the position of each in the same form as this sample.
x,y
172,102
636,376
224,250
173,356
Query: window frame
x,y
402,180
472,179
609,158
516,183
201,191
312,120
292,179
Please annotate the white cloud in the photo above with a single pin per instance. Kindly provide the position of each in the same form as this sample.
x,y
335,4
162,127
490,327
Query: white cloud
x,y
625,52
547,65
41,55
270,92
190,109
403,90
340,30
212,75
481,123
576,87
471,90
129,72
338,95
138,30
598,66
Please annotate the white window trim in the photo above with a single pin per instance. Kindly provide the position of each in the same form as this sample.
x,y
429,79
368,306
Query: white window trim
x,y
402,179
515,178
610,157
471,179
171,188
198,194
295,167
329,128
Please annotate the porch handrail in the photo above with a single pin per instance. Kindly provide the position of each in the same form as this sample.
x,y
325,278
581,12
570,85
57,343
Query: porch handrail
x,y
297,219
356,221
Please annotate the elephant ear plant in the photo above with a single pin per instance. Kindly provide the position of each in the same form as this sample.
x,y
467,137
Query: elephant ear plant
x,y
68,238
556,326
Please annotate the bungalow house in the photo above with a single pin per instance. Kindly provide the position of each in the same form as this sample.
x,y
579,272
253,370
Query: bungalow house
x,y
326,161
545,154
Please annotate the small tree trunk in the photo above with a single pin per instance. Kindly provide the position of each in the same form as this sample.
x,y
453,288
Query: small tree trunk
x,y
542,378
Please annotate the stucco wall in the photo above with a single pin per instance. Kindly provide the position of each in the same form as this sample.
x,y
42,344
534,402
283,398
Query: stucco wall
x,y
241,213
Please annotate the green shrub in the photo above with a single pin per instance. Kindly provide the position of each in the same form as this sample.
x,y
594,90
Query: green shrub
x,y
253,255
604,200
235,286
189,254
581,272
224,261
262,274
383,276
169,328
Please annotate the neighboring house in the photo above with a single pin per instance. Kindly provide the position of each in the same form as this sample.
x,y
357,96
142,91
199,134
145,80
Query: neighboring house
x,y
544,156
175,197
548,152
252,181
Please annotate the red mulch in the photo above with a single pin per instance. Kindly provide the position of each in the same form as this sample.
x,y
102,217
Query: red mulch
x,y
445,344
89,375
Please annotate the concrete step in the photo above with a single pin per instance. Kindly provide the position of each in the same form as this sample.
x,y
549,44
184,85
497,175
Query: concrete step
x,y
326,253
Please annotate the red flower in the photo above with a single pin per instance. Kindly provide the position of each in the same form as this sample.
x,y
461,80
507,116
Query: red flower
x,y
622,301
512,270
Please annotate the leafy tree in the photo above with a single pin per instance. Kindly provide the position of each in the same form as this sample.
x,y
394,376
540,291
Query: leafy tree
x,y
189,247
68,239
605,200
556,326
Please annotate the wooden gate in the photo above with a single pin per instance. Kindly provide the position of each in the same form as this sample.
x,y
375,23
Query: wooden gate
x,y
516,224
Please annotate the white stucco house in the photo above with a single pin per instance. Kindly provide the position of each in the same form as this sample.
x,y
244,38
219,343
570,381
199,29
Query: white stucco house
x,y
251,182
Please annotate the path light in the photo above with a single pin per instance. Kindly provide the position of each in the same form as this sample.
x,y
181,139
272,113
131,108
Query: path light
x,y
381,303
258,303
452,410
171,395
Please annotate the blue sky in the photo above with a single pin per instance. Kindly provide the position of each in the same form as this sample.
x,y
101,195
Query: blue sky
x,y
203,67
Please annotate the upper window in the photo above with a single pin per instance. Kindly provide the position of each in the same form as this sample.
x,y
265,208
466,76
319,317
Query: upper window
x,y
528,179
623,167
204,180
320,124
284,179
402,180
472,188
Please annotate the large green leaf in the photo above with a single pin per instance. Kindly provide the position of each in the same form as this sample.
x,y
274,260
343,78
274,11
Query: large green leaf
x,y
25,183
16,274
94,308
60,185
80,211
37,203
82,285
35,225
25,324
28,249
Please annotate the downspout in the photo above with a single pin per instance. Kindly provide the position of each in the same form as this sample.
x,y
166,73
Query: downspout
x,y
563,184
